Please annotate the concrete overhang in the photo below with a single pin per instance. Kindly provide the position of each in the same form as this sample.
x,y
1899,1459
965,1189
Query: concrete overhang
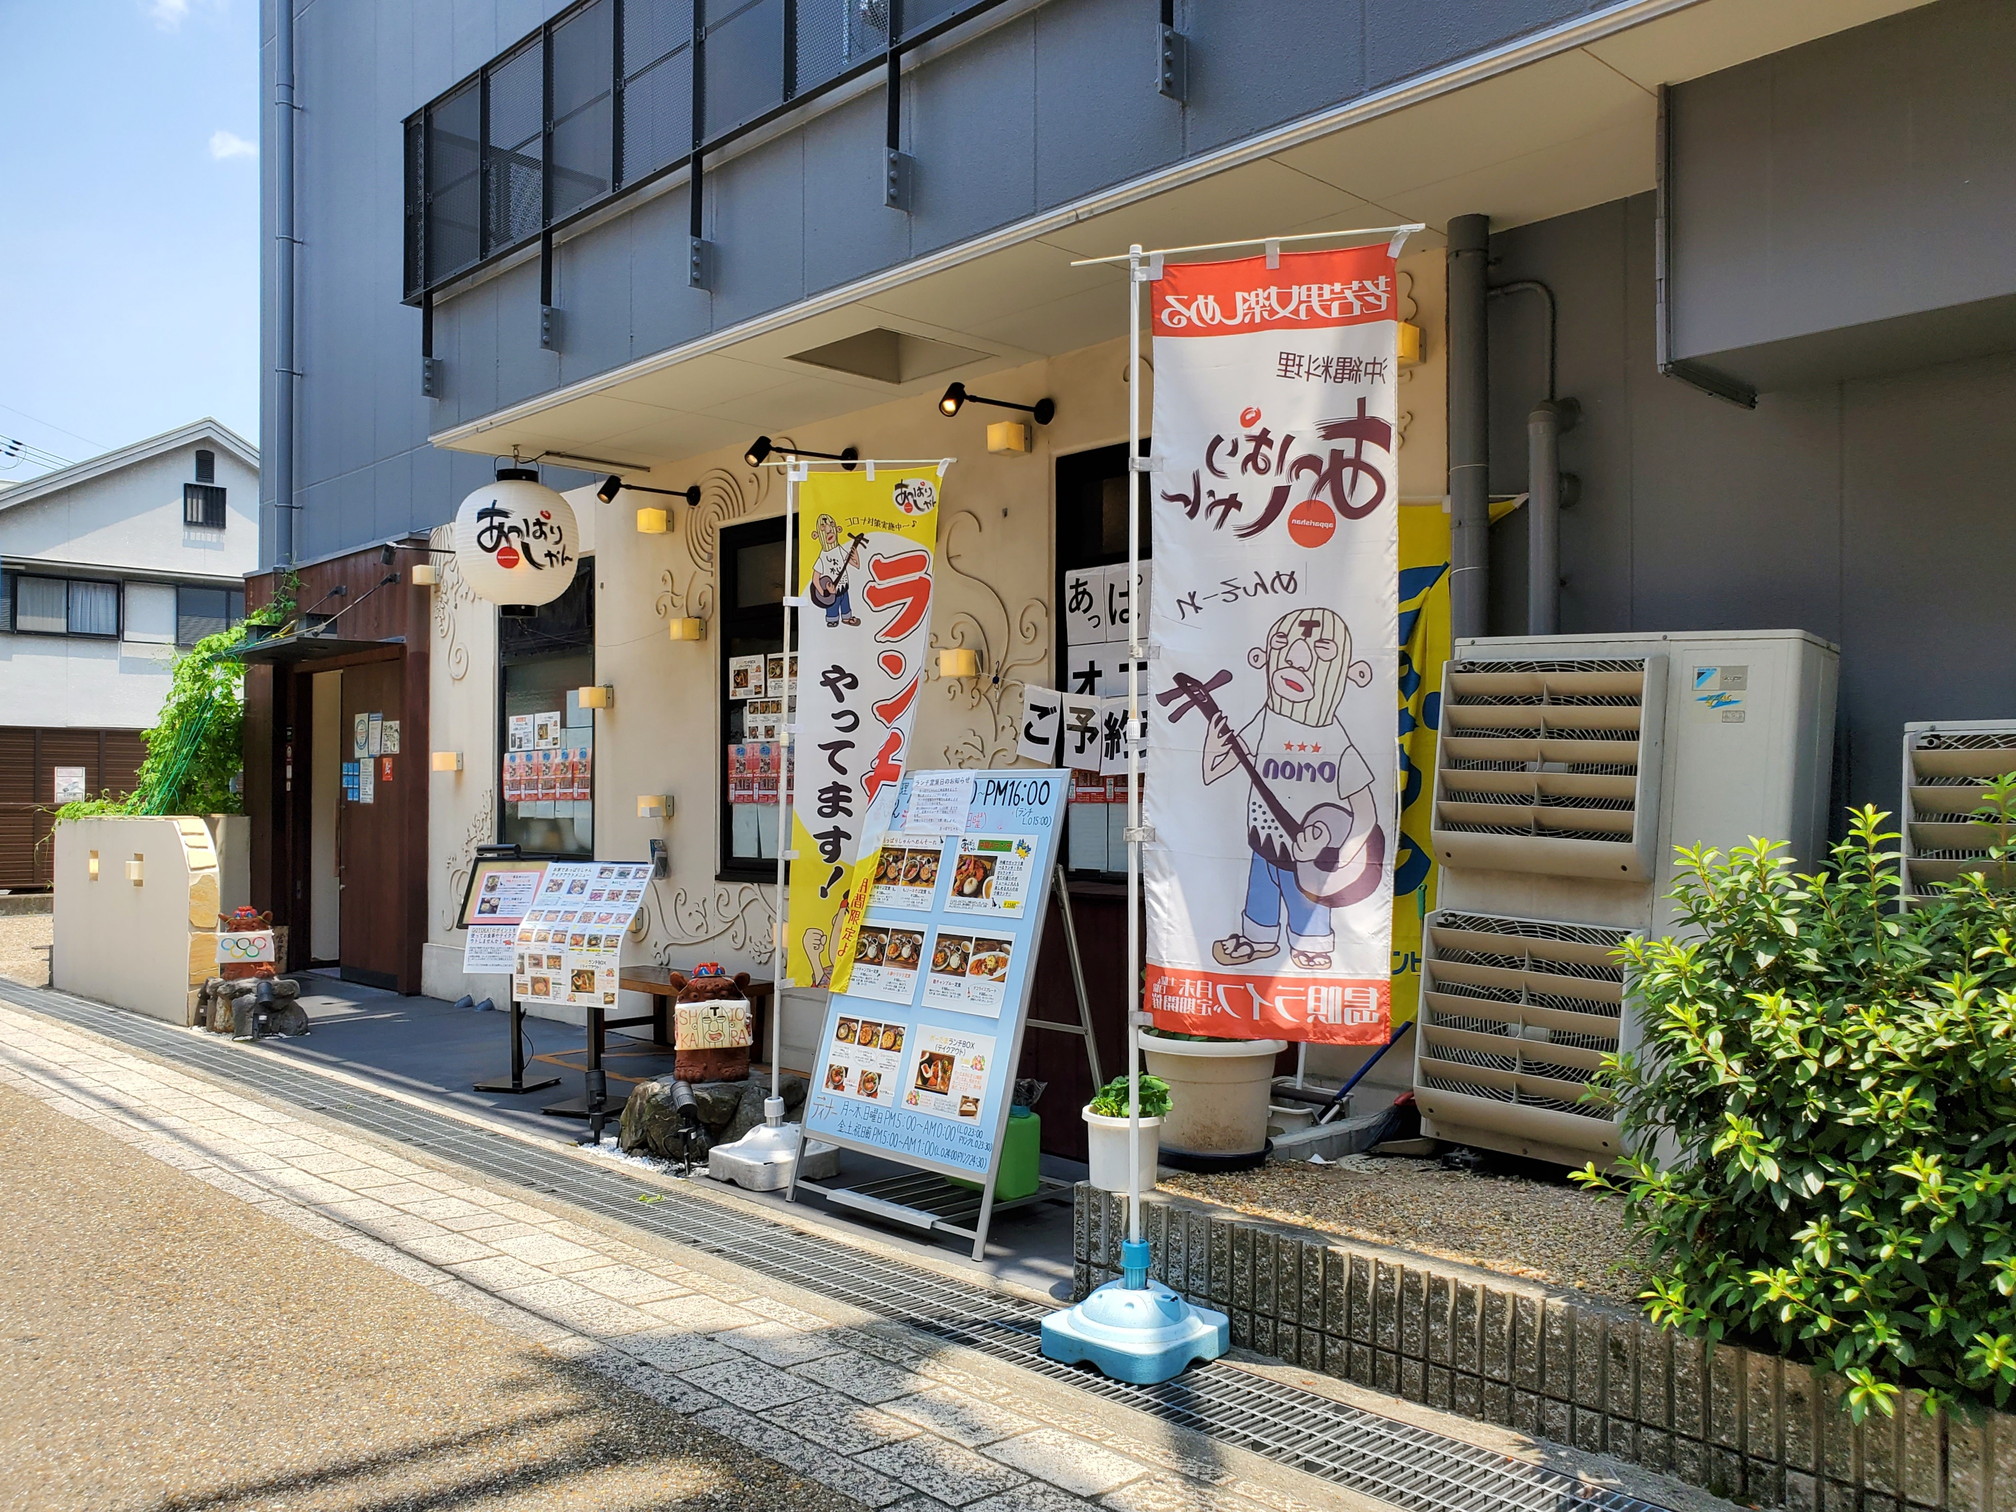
x,y
1555,123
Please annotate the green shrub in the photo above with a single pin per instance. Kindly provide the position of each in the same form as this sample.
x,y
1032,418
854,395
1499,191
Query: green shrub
x,y
1824,1109
1111,1100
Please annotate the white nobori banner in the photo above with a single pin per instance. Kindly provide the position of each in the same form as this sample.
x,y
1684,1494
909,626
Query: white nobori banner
x,y
1271,731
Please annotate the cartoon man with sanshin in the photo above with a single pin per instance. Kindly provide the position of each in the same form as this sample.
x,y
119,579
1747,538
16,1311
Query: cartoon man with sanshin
x,y
1311,820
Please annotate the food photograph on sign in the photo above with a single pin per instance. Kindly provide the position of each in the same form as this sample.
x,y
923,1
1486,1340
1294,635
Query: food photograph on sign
x,y
886,958
948,1078
992,875
969,972
865,1059
906,872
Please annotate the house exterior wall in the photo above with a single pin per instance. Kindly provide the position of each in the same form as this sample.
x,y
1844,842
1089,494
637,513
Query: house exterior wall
x,y
127,519
1872,512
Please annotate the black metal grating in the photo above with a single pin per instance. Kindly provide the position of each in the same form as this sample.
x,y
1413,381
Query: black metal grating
x,y
1407,1466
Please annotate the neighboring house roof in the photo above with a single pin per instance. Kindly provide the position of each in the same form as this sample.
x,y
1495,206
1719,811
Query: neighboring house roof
x,y
205,429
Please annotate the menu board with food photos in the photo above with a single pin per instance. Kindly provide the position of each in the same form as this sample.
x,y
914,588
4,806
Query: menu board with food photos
x,y
570,939
917,1055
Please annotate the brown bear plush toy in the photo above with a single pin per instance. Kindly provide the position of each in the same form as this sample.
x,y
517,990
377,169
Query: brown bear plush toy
x,y
711,1024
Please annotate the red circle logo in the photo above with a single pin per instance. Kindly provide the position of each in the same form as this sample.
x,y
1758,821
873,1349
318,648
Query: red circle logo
x,y
507,556
1249,417
1311,523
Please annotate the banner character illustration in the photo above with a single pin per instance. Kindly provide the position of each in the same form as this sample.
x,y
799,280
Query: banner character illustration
x,y
1311,822
829,573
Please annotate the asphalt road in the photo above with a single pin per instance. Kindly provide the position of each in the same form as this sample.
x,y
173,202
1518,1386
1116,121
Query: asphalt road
x,y
164,1346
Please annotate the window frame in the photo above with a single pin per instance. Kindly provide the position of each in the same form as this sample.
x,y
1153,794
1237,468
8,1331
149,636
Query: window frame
x,y
234,609
200,501
584,572
731,621
14,626
206,465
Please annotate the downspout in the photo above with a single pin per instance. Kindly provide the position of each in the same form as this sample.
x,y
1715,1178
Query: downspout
x,y
1544,425
283,284
1469,427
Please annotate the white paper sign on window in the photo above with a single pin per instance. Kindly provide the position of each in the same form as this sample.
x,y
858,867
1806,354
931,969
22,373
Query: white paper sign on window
x,y
1042,716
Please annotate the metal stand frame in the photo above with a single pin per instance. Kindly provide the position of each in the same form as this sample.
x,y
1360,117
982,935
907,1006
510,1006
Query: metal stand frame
x,y
517,1083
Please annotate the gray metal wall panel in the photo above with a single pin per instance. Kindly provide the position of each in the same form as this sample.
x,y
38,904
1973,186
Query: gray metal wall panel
x,y
1866,175
1874,513
843,172
1042,109
1408,37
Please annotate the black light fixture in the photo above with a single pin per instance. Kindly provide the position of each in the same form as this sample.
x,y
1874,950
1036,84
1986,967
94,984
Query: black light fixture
x,y
955,398
762,448
614,484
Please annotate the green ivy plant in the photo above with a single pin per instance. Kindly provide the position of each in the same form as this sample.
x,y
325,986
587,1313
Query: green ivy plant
x,y
1111,1100
196,749
1823,1115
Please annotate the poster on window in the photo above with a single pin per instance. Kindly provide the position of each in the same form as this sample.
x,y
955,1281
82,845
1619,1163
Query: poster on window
x,y
1271,753
865,546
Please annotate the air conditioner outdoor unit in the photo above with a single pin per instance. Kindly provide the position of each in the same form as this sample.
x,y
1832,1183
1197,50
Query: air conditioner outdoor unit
x,y
1947,768
1568,769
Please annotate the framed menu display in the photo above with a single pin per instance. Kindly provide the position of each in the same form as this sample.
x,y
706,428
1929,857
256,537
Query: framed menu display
x,y
569,942
924,1028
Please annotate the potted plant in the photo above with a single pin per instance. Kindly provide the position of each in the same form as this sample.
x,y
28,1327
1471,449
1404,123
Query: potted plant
x,y
1107,1138
1219,1090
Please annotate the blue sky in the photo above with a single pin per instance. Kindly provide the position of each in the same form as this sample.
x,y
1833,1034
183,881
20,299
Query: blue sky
x,y
129,236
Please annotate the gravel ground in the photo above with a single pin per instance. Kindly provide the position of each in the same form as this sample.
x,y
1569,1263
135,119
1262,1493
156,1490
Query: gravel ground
x,y
24,947
165,1346
1499,1218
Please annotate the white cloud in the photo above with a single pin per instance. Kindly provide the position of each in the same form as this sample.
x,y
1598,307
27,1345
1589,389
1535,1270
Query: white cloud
x,y
168,14
228,144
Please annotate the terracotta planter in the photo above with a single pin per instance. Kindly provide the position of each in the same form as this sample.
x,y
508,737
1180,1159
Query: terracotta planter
x,y
1218,1096
1106,1144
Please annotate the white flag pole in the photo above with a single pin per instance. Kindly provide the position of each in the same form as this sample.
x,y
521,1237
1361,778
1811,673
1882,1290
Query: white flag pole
x,y
773,1107
1136,272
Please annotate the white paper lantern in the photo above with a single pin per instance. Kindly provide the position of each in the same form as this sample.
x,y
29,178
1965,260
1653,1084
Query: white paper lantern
x,y
515,540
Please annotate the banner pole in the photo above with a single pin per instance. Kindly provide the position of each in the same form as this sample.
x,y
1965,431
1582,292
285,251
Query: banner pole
x,y
773,1107
1135,272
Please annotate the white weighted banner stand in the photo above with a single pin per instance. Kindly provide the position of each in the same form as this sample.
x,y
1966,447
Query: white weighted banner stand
x,y
1137,1329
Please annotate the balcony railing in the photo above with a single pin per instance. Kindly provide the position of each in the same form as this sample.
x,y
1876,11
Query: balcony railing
x,y
611,95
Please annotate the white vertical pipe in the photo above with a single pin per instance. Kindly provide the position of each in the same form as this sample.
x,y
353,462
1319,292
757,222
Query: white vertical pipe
x,y
1136,272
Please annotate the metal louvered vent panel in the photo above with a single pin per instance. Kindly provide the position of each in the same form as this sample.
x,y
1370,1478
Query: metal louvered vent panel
x,y
1517,1016
1947,769
1550,766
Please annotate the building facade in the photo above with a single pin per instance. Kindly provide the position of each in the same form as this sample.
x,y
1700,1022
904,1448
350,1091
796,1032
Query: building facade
x,y
1752,239
109,566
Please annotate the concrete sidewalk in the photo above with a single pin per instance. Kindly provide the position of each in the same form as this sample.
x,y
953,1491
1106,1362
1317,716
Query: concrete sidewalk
x,y
856,1403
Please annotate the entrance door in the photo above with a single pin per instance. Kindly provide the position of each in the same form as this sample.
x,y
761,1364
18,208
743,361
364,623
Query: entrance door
x,y
370,837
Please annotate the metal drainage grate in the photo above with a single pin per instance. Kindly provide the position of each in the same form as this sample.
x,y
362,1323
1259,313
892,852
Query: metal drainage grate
x,y
1407,1466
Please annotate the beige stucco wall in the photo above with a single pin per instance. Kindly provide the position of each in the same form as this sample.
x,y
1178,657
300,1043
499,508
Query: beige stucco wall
x,y
145,947
994,586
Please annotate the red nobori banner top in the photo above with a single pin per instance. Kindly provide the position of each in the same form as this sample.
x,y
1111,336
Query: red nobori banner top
x,y
1309,291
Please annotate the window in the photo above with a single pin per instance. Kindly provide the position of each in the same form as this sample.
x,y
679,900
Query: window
x,y
1091,538
203,505
206,467
548,738
751,633
206,611
65,606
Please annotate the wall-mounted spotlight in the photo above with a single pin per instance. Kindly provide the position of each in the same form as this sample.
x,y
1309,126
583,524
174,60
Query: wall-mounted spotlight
x,y
958,661
600,696
955,398
654,806
446,761
689,629
763,448
614,484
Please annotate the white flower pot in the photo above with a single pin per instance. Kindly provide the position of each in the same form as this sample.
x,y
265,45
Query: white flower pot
x,y
1106,1144
1218,1093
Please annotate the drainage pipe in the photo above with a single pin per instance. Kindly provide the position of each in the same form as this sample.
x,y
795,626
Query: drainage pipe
x,y
1469,426
1543,518
282,460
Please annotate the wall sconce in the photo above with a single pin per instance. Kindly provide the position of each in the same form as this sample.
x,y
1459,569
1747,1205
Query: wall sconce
x,y
958,661
1411,341
446,761
602,696
689,629
136,870
91,865
1010,437
654,806
763,448
653,521
424,575
955,398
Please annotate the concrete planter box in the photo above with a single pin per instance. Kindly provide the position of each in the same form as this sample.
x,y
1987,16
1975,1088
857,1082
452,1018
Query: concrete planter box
x,y
1738,1422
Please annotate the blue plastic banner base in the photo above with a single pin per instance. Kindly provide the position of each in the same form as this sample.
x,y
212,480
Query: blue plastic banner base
x,y
1143,1333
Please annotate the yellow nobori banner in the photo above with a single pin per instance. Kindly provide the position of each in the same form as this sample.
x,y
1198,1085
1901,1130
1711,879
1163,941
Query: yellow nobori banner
x,y
865,546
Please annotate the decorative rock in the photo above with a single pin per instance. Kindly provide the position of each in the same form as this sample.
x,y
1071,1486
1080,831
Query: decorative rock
x,y
718,1103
